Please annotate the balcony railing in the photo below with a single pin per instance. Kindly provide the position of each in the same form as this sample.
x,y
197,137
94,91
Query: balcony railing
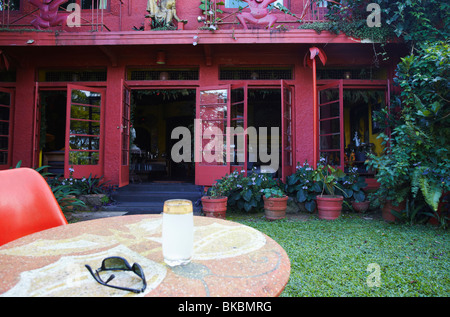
x,y
90,19
310,11
96,19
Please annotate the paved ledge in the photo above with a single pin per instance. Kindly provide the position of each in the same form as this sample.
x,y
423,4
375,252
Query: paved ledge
x,y
257,36
90,215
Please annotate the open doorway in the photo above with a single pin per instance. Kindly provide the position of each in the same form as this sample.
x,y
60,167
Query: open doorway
x,y
361,131
264,111
154,114
53,129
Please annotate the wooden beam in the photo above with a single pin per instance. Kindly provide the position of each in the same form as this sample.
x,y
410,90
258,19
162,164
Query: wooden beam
x,y
110,54
208,54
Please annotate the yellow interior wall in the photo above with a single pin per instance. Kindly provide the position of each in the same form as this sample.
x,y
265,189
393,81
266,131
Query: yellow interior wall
x,y
372,137
347,135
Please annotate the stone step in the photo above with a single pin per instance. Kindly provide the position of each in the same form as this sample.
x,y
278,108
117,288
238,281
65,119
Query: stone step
x,y
148,198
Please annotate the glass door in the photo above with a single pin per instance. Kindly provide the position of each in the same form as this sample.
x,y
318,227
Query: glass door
x,y
212,155
84,140
124,177
331,123
36,128
6,115
287,135
238,125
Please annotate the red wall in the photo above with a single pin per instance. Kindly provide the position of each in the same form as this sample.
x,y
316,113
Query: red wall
x,y
122,17
116,58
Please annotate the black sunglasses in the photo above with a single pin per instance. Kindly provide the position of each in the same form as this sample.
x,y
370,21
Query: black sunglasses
x,y
116,263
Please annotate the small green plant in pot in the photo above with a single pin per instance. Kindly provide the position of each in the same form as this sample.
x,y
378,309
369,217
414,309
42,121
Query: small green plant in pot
x,y
214,203
247,192
329,206
352,185
302,187
275,203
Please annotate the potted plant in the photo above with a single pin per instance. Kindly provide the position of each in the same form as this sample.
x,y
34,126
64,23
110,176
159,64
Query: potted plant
x,y
275,203
329,206
353,186
303,188
214,203
246,191
393,175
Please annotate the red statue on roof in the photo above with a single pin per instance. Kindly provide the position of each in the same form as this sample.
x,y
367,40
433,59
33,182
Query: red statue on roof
x,y
259,14
48,14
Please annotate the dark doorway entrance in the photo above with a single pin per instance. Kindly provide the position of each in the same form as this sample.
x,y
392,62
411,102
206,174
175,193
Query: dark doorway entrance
x,y
154,114
53,129
264,111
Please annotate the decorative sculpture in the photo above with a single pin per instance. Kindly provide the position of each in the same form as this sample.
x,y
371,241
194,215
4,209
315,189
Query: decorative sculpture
x,y
48,14
163,11
259,14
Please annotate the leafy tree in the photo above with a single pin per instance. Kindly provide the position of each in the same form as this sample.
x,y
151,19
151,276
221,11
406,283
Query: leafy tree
x,y
418,157
416,163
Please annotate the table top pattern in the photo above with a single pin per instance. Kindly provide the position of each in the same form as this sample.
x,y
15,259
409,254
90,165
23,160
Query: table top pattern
x,y
230,259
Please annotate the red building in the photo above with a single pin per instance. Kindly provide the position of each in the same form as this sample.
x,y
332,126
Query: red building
x,y
102,92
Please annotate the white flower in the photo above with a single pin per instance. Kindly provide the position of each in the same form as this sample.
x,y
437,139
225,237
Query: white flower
x,y
239,186
305,187
71,170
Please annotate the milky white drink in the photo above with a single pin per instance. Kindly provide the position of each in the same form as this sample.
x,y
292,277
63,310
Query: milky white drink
x,y
177,232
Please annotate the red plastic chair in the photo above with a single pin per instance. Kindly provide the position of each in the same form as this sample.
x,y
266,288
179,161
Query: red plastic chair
x,y
27,204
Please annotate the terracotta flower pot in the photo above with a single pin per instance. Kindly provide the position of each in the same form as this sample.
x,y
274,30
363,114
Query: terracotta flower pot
x,y
329,206
360,206
66,203
388,206
372,185
275,208
214,207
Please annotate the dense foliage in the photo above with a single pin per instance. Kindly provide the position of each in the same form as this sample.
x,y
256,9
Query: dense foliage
x,y
411,20
416,165
245,192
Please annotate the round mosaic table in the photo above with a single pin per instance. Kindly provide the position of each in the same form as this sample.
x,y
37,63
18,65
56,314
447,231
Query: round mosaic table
x,y
230,259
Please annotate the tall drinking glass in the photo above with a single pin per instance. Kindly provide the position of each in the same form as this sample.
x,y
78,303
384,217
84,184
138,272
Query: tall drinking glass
x,y
177,232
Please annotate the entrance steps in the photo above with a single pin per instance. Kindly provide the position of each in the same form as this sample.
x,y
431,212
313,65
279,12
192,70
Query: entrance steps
x,y
148,198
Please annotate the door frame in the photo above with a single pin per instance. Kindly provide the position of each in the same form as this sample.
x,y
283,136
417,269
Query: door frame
x,y
124,128
212,175
207,174
337,84
88,169
10,120
245,122
356,84
287,169
144,85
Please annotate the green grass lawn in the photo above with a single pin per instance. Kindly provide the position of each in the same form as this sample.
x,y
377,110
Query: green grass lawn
x,y
332,258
